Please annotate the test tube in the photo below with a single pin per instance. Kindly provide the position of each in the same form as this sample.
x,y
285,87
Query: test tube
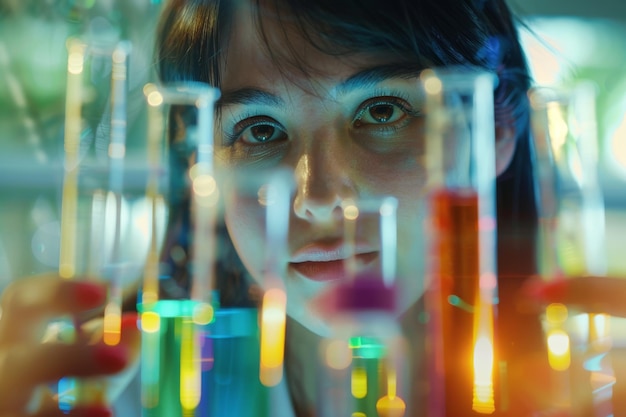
x,y
364,359
230,381
95,114
572,242
117,153
276,197
260,199
460,160
175,309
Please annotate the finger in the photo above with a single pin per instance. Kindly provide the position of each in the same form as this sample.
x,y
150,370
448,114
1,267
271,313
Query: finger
x,y
590,294
115,384
29,302
50,407
95,411
89,411
43,402
24,367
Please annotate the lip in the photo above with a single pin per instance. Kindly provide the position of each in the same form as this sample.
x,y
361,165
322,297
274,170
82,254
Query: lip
x,y
327,262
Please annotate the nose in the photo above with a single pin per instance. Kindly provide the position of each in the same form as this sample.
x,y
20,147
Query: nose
x,y
323,181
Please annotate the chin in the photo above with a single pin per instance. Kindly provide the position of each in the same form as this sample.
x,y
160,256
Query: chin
x,y
312,322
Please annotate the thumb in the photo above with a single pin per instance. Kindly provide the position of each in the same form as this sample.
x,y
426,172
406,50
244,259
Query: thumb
x,y
101,390
590,294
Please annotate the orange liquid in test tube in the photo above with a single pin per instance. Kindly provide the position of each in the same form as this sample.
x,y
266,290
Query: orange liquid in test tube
x,y
466,345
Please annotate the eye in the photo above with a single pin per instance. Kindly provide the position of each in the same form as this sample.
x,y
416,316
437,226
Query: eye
x,y
381,111
257,130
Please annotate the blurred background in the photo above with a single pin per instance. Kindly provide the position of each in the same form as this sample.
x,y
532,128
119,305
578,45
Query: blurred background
x,y
33,73
566,41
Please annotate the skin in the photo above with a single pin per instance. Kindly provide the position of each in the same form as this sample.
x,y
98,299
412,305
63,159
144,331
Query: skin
x,y
330,132
27,306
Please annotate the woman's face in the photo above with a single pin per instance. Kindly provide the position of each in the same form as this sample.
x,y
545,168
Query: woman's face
x,y
350,129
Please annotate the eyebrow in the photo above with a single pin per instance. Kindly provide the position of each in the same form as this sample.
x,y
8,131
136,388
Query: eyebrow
x,y
366,78
369,77
248,96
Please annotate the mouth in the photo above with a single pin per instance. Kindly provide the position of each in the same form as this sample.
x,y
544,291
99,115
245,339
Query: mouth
x,y
326,266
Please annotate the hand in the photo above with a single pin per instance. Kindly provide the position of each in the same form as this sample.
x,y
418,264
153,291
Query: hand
x,y
27,305
589,294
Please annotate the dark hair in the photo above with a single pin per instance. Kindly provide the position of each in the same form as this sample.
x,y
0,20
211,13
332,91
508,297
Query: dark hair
x,y
194,33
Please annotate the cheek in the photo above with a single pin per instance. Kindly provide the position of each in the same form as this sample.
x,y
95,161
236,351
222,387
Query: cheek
x,y
247,235
412,250
402,176
398,157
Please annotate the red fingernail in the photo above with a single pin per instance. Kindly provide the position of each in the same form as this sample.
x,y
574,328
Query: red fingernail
x,y
111,358
90,294
129,320
548,292
91,411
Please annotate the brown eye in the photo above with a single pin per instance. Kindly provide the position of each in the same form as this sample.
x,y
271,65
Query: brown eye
x,y
262,133
382,113
258,130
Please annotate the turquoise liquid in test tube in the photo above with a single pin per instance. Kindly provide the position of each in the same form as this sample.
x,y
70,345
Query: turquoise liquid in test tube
x,y
177,304
94,143
460,160
260,200
364,361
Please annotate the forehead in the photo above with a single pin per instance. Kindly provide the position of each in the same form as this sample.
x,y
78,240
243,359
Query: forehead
x,y
280,53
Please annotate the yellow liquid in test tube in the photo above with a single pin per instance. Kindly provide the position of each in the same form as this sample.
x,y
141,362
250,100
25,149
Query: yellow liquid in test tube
x,y
391,405
273,319
190,378
483,400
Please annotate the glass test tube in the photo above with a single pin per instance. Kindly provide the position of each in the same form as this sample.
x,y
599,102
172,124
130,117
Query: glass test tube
x,y
175,306
261,198
277,193
364,361
572,242
230,377
94,144
460,159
